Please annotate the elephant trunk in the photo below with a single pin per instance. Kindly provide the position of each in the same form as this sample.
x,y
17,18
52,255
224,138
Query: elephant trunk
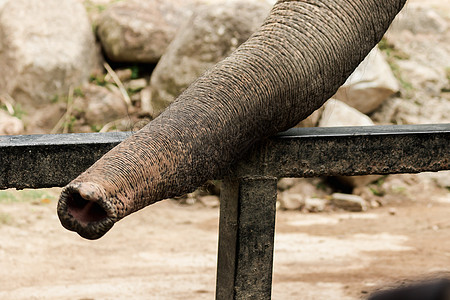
x,y
299,57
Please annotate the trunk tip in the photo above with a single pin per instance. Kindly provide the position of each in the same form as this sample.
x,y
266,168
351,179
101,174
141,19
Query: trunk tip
x,y
83,208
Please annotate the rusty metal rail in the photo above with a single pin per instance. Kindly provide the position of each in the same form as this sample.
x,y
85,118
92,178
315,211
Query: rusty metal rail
x,y
248,197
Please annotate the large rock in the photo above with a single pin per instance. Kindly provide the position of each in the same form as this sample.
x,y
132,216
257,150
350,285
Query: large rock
x,y
424,37
421,109
337,113
419,19
290,201
441,178
210,35
370,84
349,202
313,119
315,204
140,31
99,105
45,47
422,77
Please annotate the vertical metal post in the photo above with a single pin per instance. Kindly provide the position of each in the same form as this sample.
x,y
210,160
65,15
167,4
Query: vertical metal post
x,y
246,238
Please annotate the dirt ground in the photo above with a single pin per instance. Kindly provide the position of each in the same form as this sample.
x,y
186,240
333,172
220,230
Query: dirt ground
x,y
168,251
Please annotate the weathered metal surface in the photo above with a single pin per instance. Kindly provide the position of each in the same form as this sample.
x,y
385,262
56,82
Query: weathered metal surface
x,y
308,152
246,238
247,212
37,161
247,217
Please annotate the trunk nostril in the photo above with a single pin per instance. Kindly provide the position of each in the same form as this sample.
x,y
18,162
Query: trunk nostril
x,y
84,211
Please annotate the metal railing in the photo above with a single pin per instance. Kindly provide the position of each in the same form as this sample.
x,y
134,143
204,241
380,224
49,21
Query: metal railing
x,y
248,195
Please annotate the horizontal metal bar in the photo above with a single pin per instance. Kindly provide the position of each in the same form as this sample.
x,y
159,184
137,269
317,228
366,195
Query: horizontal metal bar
x,y
37,161
321,132
311,152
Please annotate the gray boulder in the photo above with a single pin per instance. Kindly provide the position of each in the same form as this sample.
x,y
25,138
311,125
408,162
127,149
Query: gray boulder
x,y
288,201
349,202
423,35
99,105
422,77
369,85
315,204
421,109
45,47
313,119
337,113
140,31
210,35
419,19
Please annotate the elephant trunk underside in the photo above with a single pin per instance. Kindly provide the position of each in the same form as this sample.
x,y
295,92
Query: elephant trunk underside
x,y
299,57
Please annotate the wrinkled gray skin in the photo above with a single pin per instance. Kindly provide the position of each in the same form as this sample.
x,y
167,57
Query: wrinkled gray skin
x,y
297,60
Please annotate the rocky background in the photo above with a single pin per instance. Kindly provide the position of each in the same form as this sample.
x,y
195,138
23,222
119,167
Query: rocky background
x,y
106,65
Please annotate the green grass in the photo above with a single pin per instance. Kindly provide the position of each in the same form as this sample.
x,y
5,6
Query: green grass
x,y
92,7
98,79
135,71
399,189
392,56
18,111
376,191
40,196
391,51
78,92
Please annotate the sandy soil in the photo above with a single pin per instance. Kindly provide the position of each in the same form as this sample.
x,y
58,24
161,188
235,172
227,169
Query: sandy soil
x,y
168,251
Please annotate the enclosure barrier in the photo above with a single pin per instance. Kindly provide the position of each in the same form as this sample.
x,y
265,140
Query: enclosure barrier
x,y
248,196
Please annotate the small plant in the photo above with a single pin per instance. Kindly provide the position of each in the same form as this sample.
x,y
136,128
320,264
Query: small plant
x,y
98,80
134,72
392,55
377,187
69,124
18,111
14,110
68,120
391,51
399,189
54,99
78,92
96,128
92,7
379,182
376,191
133,91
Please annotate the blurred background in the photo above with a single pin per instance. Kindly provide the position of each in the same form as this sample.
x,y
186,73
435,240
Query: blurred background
x,y
114,65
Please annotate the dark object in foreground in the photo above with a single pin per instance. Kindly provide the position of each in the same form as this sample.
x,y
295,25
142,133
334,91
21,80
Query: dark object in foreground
x,y
438,289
